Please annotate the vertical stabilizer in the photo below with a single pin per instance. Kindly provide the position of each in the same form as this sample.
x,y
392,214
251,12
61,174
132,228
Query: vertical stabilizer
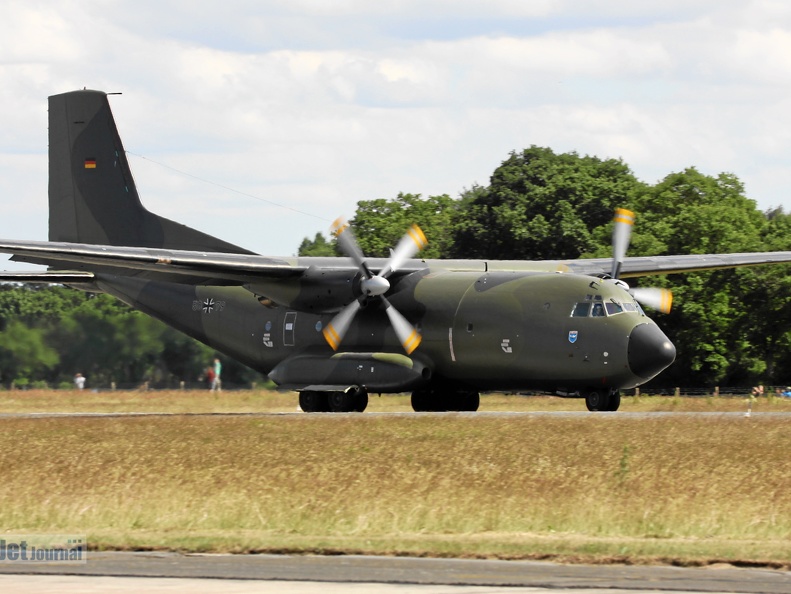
x,y
92,196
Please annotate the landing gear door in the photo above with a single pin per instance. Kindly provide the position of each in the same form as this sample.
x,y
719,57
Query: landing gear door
x,y
289,323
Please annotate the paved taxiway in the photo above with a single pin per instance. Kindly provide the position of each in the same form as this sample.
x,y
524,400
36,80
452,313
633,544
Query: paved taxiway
x,y
309,574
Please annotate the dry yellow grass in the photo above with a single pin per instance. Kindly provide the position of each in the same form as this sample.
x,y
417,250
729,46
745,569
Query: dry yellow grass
x,y
591,487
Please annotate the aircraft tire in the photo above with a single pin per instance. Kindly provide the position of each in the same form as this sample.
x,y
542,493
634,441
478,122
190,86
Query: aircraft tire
x,y
360,400
596,400
421,401
311,402
614,401
468,401
341,401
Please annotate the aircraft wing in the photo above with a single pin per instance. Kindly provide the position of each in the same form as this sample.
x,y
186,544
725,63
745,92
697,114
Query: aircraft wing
x,y
238,269
191,266
655,265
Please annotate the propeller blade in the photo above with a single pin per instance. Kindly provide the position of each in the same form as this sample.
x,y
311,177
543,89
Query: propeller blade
x,y
406,333
622,232
410,244
336,329
348,243
659,299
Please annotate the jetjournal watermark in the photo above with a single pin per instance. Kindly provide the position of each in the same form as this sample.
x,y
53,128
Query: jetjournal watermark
x,y
43,548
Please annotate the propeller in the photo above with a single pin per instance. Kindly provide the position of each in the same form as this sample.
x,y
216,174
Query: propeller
x,y
654,297
375,285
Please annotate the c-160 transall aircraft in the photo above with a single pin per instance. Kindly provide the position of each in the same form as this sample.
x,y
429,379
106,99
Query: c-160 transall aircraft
x,y
337,329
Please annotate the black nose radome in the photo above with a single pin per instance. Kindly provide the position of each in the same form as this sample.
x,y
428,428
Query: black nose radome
x,y
650,351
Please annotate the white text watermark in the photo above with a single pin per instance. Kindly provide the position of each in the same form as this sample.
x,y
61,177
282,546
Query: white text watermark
x,y
43,548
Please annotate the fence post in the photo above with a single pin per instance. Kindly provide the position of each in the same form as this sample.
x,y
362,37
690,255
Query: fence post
x,y
677,392
716,391
112,385
181,385
637,391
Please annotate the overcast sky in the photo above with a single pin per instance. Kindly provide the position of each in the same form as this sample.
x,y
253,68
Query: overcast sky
x,y
229,107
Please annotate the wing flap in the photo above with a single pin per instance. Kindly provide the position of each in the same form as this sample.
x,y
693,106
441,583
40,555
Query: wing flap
x,y
51,278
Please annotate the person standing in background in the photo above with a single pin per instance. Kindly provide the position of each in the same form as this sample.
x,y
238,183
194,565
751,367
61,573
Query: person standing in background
x,y
216,385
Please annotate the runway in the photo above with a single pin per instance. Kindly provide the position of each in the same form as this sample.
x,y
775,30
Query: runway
x,y
173,572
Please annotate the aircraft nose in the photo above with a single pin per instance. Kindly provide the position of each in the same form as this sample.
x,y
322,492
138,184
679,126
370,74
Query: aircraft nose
x,y
650,351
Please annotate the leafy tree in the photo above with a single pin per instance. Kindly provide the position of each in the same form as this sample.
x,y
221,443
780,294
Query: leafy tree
x,y
319,246
24,355
692,213
542,205
380,224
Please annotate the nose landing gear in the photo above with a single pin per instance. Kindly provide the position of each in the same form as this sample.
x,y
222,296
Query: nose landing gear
x,y
602,400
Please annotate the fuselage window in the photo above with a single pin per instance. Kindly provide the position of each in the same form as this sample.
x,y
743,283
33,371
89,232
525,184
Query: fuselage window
x,y
581,310
613,308
598,310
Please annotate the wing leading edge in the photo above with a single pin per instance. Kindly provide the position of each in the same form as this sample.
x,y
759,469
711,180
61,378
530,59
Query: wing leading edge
x,y
656,265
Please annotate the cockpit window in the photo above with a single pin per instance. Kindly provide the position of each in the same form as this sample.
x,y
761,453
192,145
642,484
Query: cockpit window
x,y
581,310
595,307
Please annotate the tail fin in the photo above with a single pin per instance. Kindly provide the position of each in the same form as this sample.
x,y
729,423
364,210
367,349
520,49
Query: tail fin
x,y
92,196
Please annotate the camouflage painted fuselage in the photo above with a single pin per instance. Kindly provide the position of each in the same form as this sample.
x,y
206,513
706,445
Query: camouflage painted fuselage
x,y
485,330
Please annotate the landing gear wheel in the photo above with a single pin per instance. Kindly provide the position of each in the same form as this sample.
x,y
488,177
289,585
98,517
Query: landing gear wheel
x,y
468,401
614,401
421,401
341,401
596,401
310,401
352,400
443,398
360,400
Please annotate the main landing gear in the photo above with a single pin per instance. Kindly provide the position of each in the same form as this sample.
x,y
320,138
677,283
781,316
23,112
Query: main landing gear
x,y
602,400
445,399
351,400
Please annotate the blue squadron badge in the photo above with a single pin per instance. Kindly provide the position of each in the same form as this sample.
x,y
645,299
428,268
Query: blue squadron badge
x,y
573,336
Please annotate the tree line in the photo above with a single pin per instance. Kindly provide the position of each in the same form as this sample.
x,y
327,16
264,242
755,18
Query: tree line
x,y
730,327
48,334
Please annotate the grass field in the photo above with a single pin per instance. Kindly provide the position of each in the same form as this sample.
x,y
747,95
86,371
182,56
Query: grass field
x,y
594,488
204,401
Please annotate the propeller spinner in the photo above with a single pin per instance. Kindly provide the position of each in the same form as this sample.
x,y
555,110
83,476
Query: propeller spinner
x,y
655,297
375,285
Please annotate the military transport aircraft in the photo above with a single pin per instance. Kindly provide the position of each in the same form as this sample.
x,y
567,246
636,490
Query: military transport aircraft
x,y
337,329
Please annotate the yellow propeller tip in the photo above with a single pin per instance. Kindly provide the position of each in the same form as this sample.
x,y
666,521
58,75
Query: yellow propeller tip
x,y
331,336
417,235
412,342
623,215
338,226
